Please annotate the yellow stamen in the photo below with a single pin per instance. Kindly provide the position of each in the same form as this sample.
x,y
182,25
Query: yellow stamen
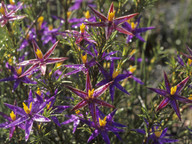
x,y
111,16
48,105
115,74
12,2
82,28
26,109
133,25
77,111
10,60
129,21
40,21
84,58
38,91
90,93
133,52
132,68
13,116
50,27
2,10
190,97
27,36
189,61
102,122
19,70
39,54
173,90
158,133
68,14
58,64
87,15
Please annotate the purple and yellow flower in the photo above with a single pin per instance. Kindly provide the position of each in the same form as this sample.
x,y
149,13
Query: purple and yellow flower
x,y
171,95
110,23
17,72
103,125
30,113
133,27
9,16
41,60
114,77
90,97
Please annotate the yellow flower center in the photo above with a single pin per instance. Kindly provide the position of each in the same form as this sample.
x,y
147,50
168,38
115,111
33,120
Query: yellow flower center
x,y
111,16
173,90
40,21
132,68
190,97
2,10
38,91
133,25
77,111
58,64
39,54
133,52
115,74
158,133
189,61
87,15
82,28
84,58
48,105
19,70
26,109
13,116
103,122
12,2
90,93
50,27
68,14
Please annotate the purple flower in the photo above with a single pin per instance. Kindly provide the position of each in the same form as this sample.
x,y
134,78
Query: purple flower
x,y
133,27
17,76
78,3
90,97
29,114
110,22
9,16
81,67
114,77
41,60
103,125
171,94
157,135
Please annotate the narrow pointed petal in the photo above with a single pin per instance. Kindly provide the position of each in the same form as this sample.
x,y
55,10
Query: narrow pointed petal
x,y
5,116
182,99
139,37
72,72
79,105
50,51
30,98
108,31
32,68
11,131
28,128
111,9
92,110
111,69
182,84
122,30
11,78
16,109
121,77
55,120
111,115
93,135
175,106
17,82
43,68
98,14
17,122
163,132
76,66
103,103
75,124
55,60
160,91
80,93
167,84
103,71
99,91
112,91
27,62
163,103
121,88
137,80
102,82
88,83
96,24
166,140
40,118
122,19
105,137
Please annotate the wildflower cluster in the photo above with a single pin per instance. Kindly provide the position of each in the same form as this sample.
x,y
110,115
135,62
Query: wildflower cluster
x,y
64,69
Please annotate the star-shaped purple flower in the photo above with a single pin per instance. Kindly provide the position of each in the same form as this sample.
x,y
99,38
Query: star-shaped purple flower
x,y
133,27
29,114
103,125
110,22
41,60
90,97
9,16
17,76
171,95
